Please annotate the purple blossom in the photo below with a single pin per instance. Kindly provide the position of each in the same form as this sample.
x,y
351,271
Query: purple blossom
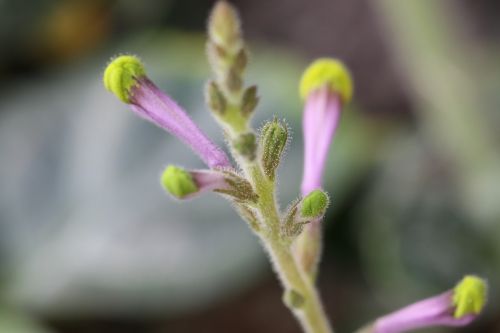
x,y
150,103
434,311
208,180
321,116
125,77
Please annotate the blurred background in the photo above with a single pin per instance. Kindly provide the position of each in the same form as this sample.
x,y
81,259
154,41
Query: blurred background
x,y
90,243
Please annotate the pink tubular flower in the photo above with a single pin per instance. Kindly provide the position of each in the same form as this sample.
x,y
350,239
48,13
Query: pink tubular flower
x,y
326,85
126,78
457,307
321,116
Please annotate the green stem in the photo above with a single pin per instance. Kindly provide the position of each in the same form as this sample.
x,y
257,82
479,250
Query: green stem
x,y
310,314
228,57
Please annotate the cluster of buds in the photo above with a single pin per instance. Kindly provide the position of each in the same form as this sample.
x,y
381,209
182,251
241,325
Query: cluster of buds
x,y
292,238
230,101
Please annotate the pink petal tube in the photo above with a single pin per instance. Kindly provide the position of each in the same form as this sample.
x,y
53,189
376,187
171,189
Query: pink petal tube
x,y
208,180
150,103
320,120
434,311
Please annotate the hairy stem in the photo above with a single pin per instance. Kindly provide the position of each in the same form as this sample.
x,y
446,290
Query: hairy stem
x,y
310,314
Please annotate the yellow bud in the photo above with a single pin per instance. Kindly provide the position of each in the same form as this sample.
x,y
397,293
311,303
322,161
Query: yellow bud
x,y
329,72
178,182
122,74
469,296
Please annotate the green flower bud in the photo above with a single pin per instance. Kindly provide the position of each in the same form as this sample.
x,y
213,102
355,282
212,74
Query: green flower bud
x,y
274,136
122,74
178,182
469,296
314,204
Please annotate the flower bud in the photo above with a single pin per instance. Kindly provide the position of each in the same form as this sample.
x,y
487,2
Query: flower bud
x,y
326,85
314,205
273,137
183,184
178,182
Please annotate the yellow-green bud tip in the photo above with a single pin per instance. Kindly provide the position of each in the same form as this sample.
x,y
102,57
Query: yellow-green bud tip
x,y
469,296
178,182
329,72
314,204
122,74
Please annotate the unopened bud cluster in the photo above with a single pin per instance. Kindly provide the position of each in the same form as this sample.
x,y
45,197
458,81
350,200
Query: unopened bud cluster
x,y
231,103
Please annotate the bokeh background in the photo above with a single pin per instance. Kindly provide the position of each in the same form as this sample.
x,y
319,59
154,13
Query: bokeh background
x,y
90,243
